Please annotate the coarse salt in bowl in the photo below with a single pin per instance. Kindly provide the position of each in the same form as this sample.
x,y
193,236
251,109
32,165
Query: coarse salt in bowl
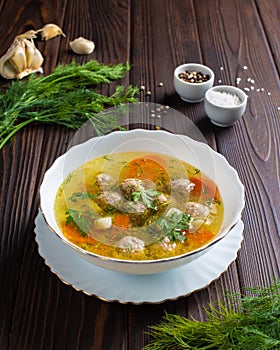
x,y
225,104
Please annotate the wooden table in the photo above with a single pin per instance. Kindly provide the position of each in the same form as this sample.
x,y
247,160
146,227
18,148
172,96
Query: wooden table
x,y
237,39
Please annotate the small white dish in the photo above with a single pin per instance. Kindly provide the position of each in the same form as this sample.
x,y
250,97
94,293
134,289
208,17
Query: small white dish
x,y
225,104
125,288
192,92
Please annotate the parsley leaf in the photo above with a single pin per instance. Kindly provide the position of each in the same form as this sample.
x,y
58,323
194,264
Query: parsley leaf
x,y
173,225
81,195
147,197
80,220
177,233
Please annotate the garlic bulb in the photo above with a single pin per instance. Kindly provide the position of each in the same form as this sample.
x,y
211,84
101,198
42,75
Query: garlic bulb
x,y
82,46
50,31
22,58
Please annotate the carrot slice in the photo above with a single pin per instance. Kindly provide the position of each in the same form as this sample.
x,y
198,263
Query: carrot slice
x,y
157,158
121,220
144,168
200,237
204,188
75,236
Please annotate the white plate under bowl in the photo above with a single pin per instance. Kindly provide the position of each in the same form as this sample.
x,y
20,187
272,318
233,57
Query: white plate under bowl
x,y
136,289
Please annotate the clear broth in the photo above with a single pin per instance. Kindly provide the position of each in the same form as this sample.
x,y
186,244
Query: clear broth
x,y
159,169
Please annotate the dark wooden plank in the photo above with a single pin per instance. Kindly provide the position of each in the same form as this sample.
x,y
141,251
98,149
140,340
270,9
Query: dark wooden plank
x,y
251,145
20,272
164,36
218,25
107,24
157,49
270,16
37,310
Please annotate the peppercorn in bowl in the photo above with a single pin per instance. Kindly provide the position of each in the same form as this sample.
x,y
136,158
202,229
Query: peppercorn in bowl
x,y
192,80
141,201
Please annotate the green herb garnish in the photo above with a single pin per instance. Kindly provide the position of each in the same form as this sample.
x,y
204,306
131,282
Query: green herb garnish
x,y
177,233
108,157
173,226
147,197
249,322
80,196
80,220
177,224
63,97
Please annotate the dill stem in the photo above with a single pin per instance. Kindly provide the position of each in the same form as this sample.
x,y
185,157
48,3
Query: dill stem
x,y
54,81
15,130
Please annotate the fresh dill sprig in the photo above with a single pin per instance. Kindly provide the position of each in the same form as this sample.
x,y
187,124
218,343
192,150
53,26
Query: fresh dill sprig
x,y
250,322
65,97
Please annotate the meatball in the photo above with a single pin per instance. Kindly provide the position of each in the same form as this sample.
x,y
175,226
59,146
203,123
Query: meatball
x,y
181,187
131,244
109,200
130,185
137,211
104,181
197,210
136,208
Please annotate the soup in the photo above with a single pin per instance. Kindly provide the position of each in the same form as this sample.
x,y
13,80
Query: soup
x,y
138,206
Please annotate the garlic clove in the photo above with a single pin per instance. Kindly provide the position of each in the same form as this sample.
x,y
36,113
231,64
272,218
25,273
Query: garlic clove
x,y
30,50
37,61
34,58
7,70
50,31
18,59
82,46
8,62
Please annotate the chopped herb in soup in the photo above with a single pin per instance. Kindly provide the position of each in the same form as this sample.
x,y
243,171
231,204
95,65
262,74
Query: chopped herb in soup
x,y
137,206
